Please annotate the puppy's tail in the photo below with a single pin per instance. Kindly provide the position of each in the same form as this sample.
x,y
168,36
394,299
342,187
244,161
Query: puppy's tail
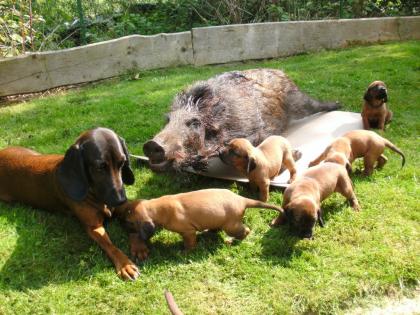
x,y
394,148
251,203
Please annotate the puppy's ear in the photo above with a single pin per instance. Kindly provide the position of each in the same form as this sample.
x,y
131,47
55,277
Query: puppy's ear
x,y
251,165
126,172
320,220
296,154
288,213
147,229
71,174
368,96
349,168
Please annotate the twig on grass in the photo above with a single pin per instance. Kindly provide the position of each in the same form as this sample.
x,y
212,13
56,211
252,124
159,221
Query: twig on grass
x,y
173,307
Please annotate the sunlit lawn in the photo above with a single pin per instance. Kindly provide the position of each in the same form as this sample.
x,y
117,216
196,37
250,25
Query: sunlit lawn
x,y
48,264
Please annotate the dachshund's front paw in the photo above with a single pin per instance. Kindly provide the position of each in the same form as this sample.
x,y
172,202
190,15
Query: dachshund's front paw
x,y
128,271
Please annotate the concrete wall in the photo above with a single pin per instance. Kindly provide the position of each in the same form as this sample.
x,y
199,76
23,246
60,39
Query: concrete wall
x,y
41,71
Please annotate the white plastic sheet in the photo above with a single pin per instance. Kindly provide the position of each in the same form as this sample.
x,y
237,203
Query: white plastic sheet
x,y
310,136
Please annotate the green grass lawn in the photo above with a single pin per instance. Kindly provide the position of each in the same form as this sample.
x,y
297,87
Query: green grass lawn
x,y
49,265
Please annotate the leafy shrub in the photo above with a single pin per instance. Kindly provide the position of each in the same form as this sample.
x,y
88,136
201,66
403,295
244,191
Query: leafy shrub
x,y
18,28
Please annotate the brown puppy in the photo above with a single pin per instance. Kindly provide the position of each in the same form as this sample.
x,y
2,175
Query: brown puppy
x,y
302,199
375,113
187,213
260,164
356,144
87,182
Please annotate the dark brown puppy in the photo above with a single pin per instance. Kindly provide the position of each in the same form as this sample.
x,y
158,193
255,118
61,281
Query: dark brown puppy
x,y
187,213
356,144
375,113
260,164
302,199
87,182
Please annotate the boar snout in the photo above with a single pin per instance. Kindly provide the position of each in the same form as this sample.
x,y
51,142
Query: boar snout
x,y
154,151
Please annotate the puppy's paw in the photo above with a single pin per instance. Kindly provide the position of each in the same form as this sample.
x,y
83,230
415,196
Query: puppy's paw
x,y
140,253
128,271
138,248
367,173
186,251
107,212
229,241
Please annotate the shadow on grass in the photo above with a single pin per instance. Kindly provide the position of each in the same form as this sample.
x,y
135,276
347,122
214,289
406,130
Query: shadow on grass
x,y
49,248
159,184
52,249
164,252
281,244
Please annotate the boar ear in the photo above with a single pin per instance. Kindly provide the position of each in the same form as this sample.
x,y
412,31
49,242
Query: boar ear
x,y
251,165
320,220
199,93
126,172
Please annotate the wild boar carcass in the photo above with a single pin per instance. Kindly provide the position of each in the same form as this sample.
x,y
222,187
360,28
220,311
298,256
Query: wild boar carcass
x,y
252,104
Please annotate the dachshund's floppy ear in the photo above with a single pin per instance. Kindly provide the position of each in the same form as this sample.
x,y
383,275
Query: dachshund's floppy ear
x,y
126,172
251,165
71,174
320,220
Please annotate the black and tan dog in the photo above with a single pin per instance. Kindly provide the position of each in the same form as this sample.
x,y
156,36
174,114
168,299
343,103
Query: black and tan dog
x,y
187,213
262,163
87,182
356,144
302,199
375,113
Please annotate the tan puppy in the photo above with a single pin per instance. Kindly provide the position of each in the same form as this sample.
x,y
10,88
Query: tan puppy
x,y
302,199
356,144
187,213
375,113
260,164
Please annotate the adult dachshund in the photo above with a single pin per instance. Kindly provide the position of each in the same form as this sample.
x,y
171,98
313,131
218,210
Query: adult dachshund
x,y
88,181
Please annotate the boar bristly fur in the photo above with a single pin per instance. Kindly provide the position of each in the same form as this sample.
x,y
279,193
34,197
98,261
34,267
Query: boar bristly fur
x,y
252,104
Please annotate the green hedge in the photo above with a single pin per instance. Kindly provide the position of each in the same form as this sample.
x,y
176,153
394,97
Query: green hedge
x,y
55,24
